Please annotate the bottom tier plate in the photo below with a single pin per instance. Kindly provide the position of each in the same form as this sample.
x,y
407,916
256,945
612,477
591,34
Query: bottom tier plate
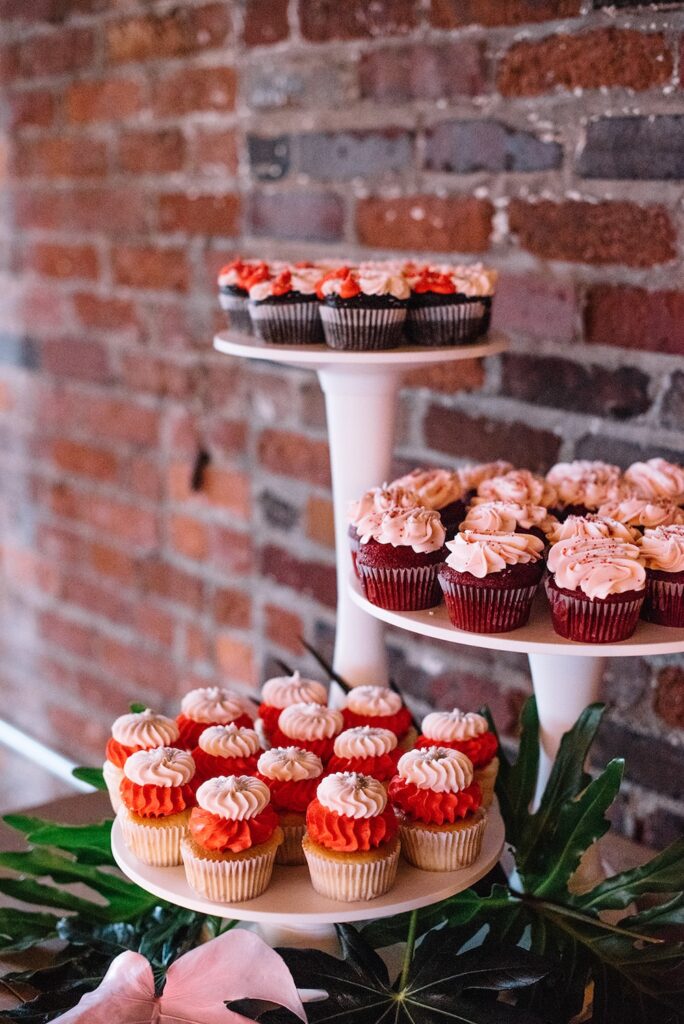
x,y
290,900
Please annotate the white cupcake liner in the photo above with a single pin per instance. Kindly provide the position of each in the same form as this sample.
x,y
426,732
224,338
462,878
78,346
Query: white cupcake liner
x,y
290,851
158,845
363,328
228,881
456,323
486,780
443,850
237,308
487,609
287,323
351,881
400,589
664,602
113,776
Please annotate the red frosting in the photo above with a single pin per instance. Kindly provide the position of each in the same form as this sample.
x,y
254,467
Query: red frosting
x,y
434,808
156,801
292,795
382,767
252,275
190,730
269,717
324,747
399,724
349,287
481,749
118,754
212,832
431,281
349,835
208,766
282,284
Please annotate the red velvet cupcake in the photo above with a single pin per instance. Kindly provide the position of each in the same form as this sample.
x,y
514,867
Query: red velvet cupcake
x,y
210,705
292,776
440,490
583,486
489,580
656,478
377,500
472,476
469,733
519,485
662,552
226,750
310,727
377,706
282,691
398,558
367,750
486,516
140,730
643,513
592,527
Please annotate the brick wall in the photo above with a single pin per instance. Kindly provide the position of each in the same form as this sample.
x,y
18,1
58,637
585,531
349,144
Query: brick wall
x,y
142,143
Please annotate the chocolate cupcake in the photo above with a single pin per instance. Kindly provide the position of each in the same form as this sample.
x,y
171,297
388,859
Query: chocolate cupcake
x,y
440,490
662,552
377,499
285,307
363,309
449,305
398,558
233,286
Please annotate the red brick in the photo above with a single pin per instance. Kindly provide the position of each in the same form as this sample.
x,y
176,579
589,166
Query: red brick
x,y
84,460
150,267
610,57
290,454
105,314
323,20
484,439
171,584
60,158
76,359
235,659
33,109
320,526
165,378
635,318
265,24
232,608
142,476
58,52
27,569
214,152
449,378
313,579
537,305
112,563
65,633
99,415
87,209
62,261
151,671
190,89
109,100
181,32
284,628
152,152
9,63
451,14
203,215
668,701
423,72
231,552
189,537
195,643
225,488
425,223
228,435
604,232
116,518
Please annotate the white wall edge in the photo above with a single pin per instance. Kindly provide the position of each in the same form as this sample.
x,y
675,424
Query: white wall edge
x,y
35,751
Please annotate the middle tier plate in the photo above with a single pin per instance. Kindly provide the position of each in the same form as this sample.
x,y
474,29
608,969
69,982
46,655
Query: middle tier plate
x,y
537,637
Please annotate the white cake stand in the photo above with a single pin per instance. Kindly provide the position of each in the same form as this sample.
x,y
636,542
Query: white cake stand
x,y
291,913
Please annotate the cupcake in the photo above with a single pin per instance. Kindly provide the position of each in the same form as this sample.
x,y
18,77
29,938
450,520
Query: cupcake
x,y
489,580
449,305
591,527
596,589
377,706
233,835
156,798
472,476
310,727
378,499
226,750
518,485
469,733
441,819
583,486
363,309
486,516
440,490
367,750
140,730
210,705
657,478
281,691
292,776
284,307
398,558
662,552
643,513
351,843
233,281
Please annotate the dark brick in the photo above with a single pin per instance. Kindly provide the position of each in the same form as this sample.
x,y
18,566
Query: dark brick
x,y
626,682
622,453
653,765
18,350
276,84
265,23
315,216
635,318
312,579
660,828
634,147
536,304
278,512
672,409
343,155
455,13
618,394
467,146
668,700
269,159
422,72
323,20
483,439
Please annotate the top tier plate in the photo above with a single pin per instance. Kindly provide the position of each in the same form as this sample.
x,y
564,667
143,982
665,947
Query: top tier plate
x,y
316,357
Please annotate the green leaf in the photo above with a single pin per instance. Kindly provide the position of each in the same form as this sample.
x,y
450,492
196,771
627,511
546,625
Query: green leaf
x,y
136,708
28,891
93,776
21,929
516,783
663,874
88,840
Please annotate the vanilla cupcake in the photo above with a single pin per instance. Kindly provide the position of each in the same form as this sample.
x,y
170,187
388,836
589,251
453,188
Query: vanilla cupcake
x,y
519,485
140,730
233,836
210,705
592,527
280,692
583,486
470,733
292,776
157,797
439,807
310,727
440,490
662,552
657,478
351,843
367,750
226,750
377,706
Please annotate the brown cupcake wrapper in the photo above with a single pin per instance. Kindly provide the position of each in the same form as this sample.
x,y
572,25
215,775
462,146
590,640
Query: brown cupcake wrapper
x,y
237,308
112,777
292,323
487,609
400,590
593,622
290,851
664,602
352,881
458,323
158,845
446,850
486,780
228,881
362,329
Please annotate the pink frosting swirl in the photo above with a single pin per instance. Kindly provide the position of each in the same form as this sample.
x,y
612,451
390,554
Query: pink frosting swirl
x,y
352,795
584,482
364,741
439,769
663,548
290,764
449,726
165,767
646,512
657,478
382,499
310,722
235,797
145,729
418,528
213,704
373,700
518,485
281,691
485,516
597,567
481,554
383,282
436,488
472,476
229,741
591,527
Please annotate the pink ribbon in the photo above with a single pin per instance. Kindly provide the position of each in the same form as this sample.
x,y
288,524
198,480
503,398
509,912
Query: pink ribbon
x,y
237,965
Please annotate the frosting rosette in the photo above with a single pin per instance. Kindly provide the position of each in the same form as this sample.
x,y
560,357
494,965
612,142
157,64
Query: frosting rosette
x,y
472,476
519,485
350,813
233,796
486,516
662,548
292,775
482,554
643,512
140,730
591,527
367,750
657,478
598,568
351,794
436,488
226,750
281,691
461,730
309,726
378,706
382,499
584,482
156,783
418,528
233,814
435,785
210,705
